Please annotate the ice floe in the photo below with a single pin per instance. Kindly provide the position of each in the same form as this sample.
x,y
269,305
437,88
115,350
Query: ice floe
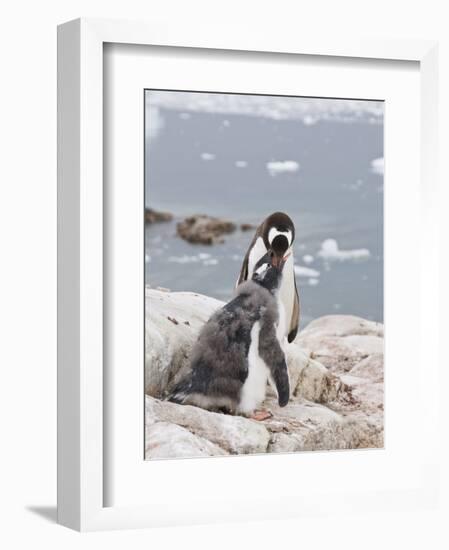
x,y
241,163
377,166
309,110
212,261
354,186
282,166
207,156
154,121
185,259
303,271
309,120
204,258
308,258
331,251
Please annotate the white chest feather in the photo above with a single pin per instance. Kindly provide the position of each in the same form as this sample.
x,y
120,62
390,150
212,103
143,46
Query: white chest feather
x,y
287,292
282,329
255,385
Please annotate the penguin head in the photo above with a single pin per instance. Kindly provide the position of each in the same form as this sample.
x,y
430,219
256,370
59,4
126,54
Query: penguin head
x,y
278,233
267,274
278,250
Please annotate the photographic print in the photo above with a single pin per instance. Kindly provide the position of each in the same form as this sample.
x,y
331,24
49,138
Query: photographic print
x,y
263,274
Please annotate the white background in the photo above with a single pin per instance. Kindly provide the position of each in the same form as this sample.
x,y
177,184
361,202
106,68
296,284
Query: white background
x,y
28,269
132,481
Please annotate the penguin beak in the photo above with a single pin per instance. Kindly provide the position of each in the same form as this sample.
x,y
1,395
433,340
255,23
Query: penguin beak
x,y
276,261
279,261
283,260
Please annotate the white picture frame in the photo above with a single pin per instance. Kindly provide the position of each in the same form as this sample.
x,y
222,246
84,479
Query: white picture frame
x,y
82,491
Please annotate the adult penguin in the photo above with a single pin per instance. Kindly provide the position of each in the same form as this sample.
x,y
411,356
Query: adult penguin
x,y
275,235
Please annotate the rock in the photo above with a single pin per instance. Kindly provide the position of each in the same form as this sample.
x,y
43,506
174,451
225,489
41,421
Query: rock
x,y
366,380
371,368
231,434
320,428
153,216
342,325
164,440
309,378
336,379
202,229
247,226
341,341
318,384
172,324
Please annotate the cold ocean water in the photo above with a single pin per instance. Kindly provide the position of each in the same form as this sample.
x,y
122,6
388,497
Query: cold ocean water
x,y
325,172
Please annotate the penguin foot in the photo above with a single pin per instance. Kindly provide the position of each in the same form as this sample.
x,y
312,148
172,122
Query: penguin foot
x,y
261,414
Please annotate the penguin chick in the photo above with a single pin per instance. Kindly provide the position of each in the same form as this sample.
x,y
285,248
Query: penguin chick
x,y
238,350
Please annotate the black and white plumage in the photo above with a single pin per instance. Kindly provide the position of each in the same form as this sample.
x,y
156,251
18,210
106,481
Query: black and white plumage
x,y
276,235
239,349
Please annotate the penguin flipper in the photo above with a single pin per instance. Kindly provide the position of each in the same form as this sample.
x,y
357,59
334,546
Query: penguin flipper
x,y
244,269
279,373
294,321
243,276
